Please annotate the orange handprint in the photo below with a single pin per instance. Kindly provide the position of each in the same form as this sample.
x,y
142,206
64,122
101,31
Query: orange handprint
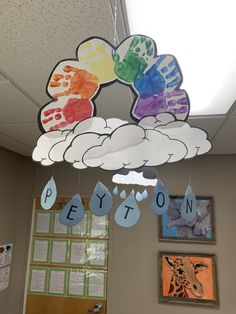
x,y
80,82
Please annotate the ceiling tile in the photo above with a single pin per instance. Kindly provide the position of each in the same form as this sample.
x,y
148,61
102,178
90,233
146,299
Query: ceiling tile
x,y
210,123
35,35
225,143
26,134
37,90
14,145
2,78
15,106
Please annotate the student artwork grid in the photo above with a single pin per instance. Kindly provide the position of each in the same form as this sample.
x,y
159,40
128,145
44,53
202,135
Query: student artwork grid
x,y
159,133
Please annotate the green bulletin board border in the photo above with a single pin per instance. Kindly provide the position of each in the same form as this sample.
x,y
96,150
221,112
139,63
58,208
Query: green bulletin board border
x,y
46,281
66,255
105,285
48,251
65,281
50,222
85,284
105,253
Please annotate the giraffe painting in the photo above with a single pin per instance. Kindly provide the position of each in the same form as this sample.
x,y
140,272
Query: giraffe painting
x,y
188,278
184,277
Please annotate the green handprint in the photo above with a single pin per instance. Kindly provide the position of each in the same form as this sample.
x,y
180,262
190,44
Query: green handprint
x,y
135,60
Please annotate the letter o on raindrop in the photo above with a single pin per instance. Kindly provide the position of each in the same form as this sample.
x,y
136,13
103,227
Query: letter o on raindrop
x,y
128,213
160,200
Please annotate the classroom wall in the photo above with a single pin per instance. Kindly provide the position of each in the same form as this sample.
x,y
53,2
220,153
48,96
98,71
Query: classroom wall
x,y
16,175
133,270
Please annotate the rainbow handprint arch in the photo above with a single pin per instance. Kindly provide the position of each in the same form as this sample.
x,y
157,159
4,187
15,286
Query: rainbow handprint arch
x,y
74,84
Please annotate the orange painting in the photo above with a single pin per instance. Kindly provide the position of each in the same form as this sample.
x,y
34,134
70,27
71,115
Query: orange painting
x,y
189,277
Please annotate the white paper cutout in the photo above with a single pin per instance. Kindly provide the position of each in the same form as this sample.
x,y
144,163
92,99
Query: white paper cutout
x,y
156,144
49,194
133,177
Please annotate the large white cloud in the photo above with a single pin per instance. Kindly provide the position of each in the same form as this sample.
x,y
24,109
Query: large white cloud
x,y
113,144
44,145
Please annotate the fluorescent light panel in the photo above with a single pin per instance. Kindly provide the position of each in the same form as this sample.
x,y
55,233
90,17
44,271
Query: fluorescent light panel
x,y
201,35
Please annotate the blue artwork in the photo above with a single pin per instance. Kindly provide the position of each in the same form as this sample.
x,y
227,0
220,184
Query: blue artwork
x,y
128,213
73,211
189,206
49,194
160,200
101,200
173,226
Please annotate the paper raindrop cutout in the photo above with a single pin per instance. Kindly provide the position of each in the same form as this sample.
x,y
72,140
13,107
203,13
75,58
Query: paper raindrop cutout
x,y
115,191
139,197
101,200
160,200
188,208
128,213
145,194
73,211
123,194
49,194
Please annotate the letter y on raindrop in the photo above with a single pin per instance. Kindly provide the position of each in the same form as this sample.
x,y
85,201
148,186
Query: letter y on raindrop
x,y
101,200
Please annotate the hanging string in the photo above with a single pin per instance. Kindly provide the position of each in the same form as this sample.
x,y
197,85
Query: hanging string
x,y
156,173
115,24
79,179
53,170
189,172
98,175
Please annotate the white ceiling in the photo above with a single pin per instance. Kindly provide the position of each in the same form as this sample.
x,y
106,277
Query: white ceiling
x,y
35,35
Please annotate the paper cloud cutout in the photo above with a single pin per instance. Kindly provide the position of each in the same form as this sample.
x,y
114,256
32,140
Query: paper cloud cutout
x,y
145,145
160,133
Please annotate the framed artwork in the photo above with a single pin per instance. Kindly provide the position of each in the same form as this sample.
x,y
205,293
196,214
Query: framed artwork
x,y
188,278
172,227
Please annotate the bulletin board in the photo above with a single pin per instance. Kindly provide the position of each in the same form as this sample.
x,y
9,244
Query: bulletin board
x,y
67,269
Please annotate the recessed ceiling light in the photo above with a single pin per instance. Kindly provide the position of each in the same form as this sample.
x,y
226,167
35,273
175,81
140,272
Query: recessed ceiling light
x,y
201,35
